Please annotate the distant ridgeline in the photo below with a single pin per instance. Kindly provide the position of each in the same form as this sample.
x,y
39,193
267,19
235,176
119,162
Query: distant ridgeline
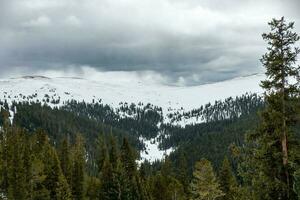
x,y
223,123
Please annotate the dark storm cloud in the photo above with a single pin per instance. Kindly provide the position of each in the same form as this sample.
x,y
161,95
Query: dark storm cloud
x,y
190,41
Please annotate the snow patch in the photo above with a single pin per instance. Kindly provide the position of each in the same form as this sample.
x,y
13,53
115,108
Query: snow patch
x,y
153,152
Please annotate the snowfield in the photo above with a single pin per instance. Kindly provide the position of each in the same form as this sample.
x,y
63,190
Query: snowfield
x,y
112,90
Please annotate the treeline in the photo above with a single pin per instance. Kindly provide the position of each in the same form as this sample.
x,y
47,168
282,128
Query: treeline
x,y
32,168
139,120
209,140
230,108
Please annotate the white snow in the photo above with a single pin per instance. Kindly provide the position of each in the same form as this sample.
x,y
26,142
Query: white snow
x,y
152,152
112,90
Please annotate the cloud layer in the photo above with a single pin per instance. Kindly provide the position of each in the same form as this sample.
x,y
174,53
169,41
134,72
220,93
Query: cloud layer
x,y
191,41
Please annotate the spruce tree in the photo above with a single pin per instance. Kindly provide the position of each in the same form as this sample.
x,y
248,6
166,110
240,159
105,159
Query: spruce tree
x,y
93,186
182,171
272,157
28,158
78,169
63,191
204,185
128,159
129,171
159,187
16,171
55,181
110,184
144,183
4,132
65,159
111,174
102,152
38,176
228,182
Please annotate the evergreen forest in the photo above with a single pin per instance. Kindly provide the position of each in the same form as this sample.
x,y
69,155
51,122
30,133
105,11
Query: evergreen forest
x,y
246,148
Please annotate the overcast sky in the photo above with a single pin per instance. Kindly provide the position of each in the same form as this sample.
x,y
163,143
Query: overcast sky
x,y
186,41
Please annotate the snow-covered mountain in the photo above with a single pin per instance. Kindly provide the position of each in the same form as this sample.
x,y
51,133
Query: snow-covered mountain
x,y
111,90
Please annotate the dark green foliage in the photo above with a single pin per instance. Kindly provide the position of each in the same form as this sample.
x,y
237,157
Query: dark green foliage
x,y
296,186
112,176
92,191
38,189
144,123
33,169
182,171
55,181
164,185
228,182
272,153
60,124
16,172
110,183
78,169
128,157
114,165
65,159
131,179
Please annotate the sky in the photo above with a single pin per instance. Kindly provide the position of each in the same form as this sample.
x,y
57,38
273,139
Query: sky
x,y
183,42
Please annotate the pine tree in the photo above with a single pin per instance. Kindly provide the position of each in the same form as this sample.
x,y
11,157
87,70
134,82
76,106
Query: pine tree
x,y
167,168
28,158
65,159
182,172
63,191
55,181
38,176
175,190
272,156
111,174
92,191
159,187
144,183
78,169
114,153
16,170
128,159
130,178
110,185
4,132
228,182
102,152
204,185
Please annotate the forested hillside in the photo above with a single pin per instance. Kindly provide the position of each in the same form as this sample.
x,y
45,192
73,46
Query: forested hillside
x,y
244,147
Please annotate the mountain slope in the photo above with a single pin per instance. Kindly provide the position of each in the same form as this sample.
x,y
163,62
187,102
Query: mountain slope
x,y
168,104
112,91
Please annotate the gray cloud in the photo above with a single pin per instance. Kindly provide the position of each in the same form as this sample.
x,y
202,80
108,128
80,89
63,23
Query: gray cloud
x,y
191,41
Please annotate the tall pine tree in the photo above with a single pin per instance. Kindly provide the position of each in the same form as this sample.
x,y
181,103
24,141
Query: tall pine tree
x,y
78,169
273,157
204,185
228,182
